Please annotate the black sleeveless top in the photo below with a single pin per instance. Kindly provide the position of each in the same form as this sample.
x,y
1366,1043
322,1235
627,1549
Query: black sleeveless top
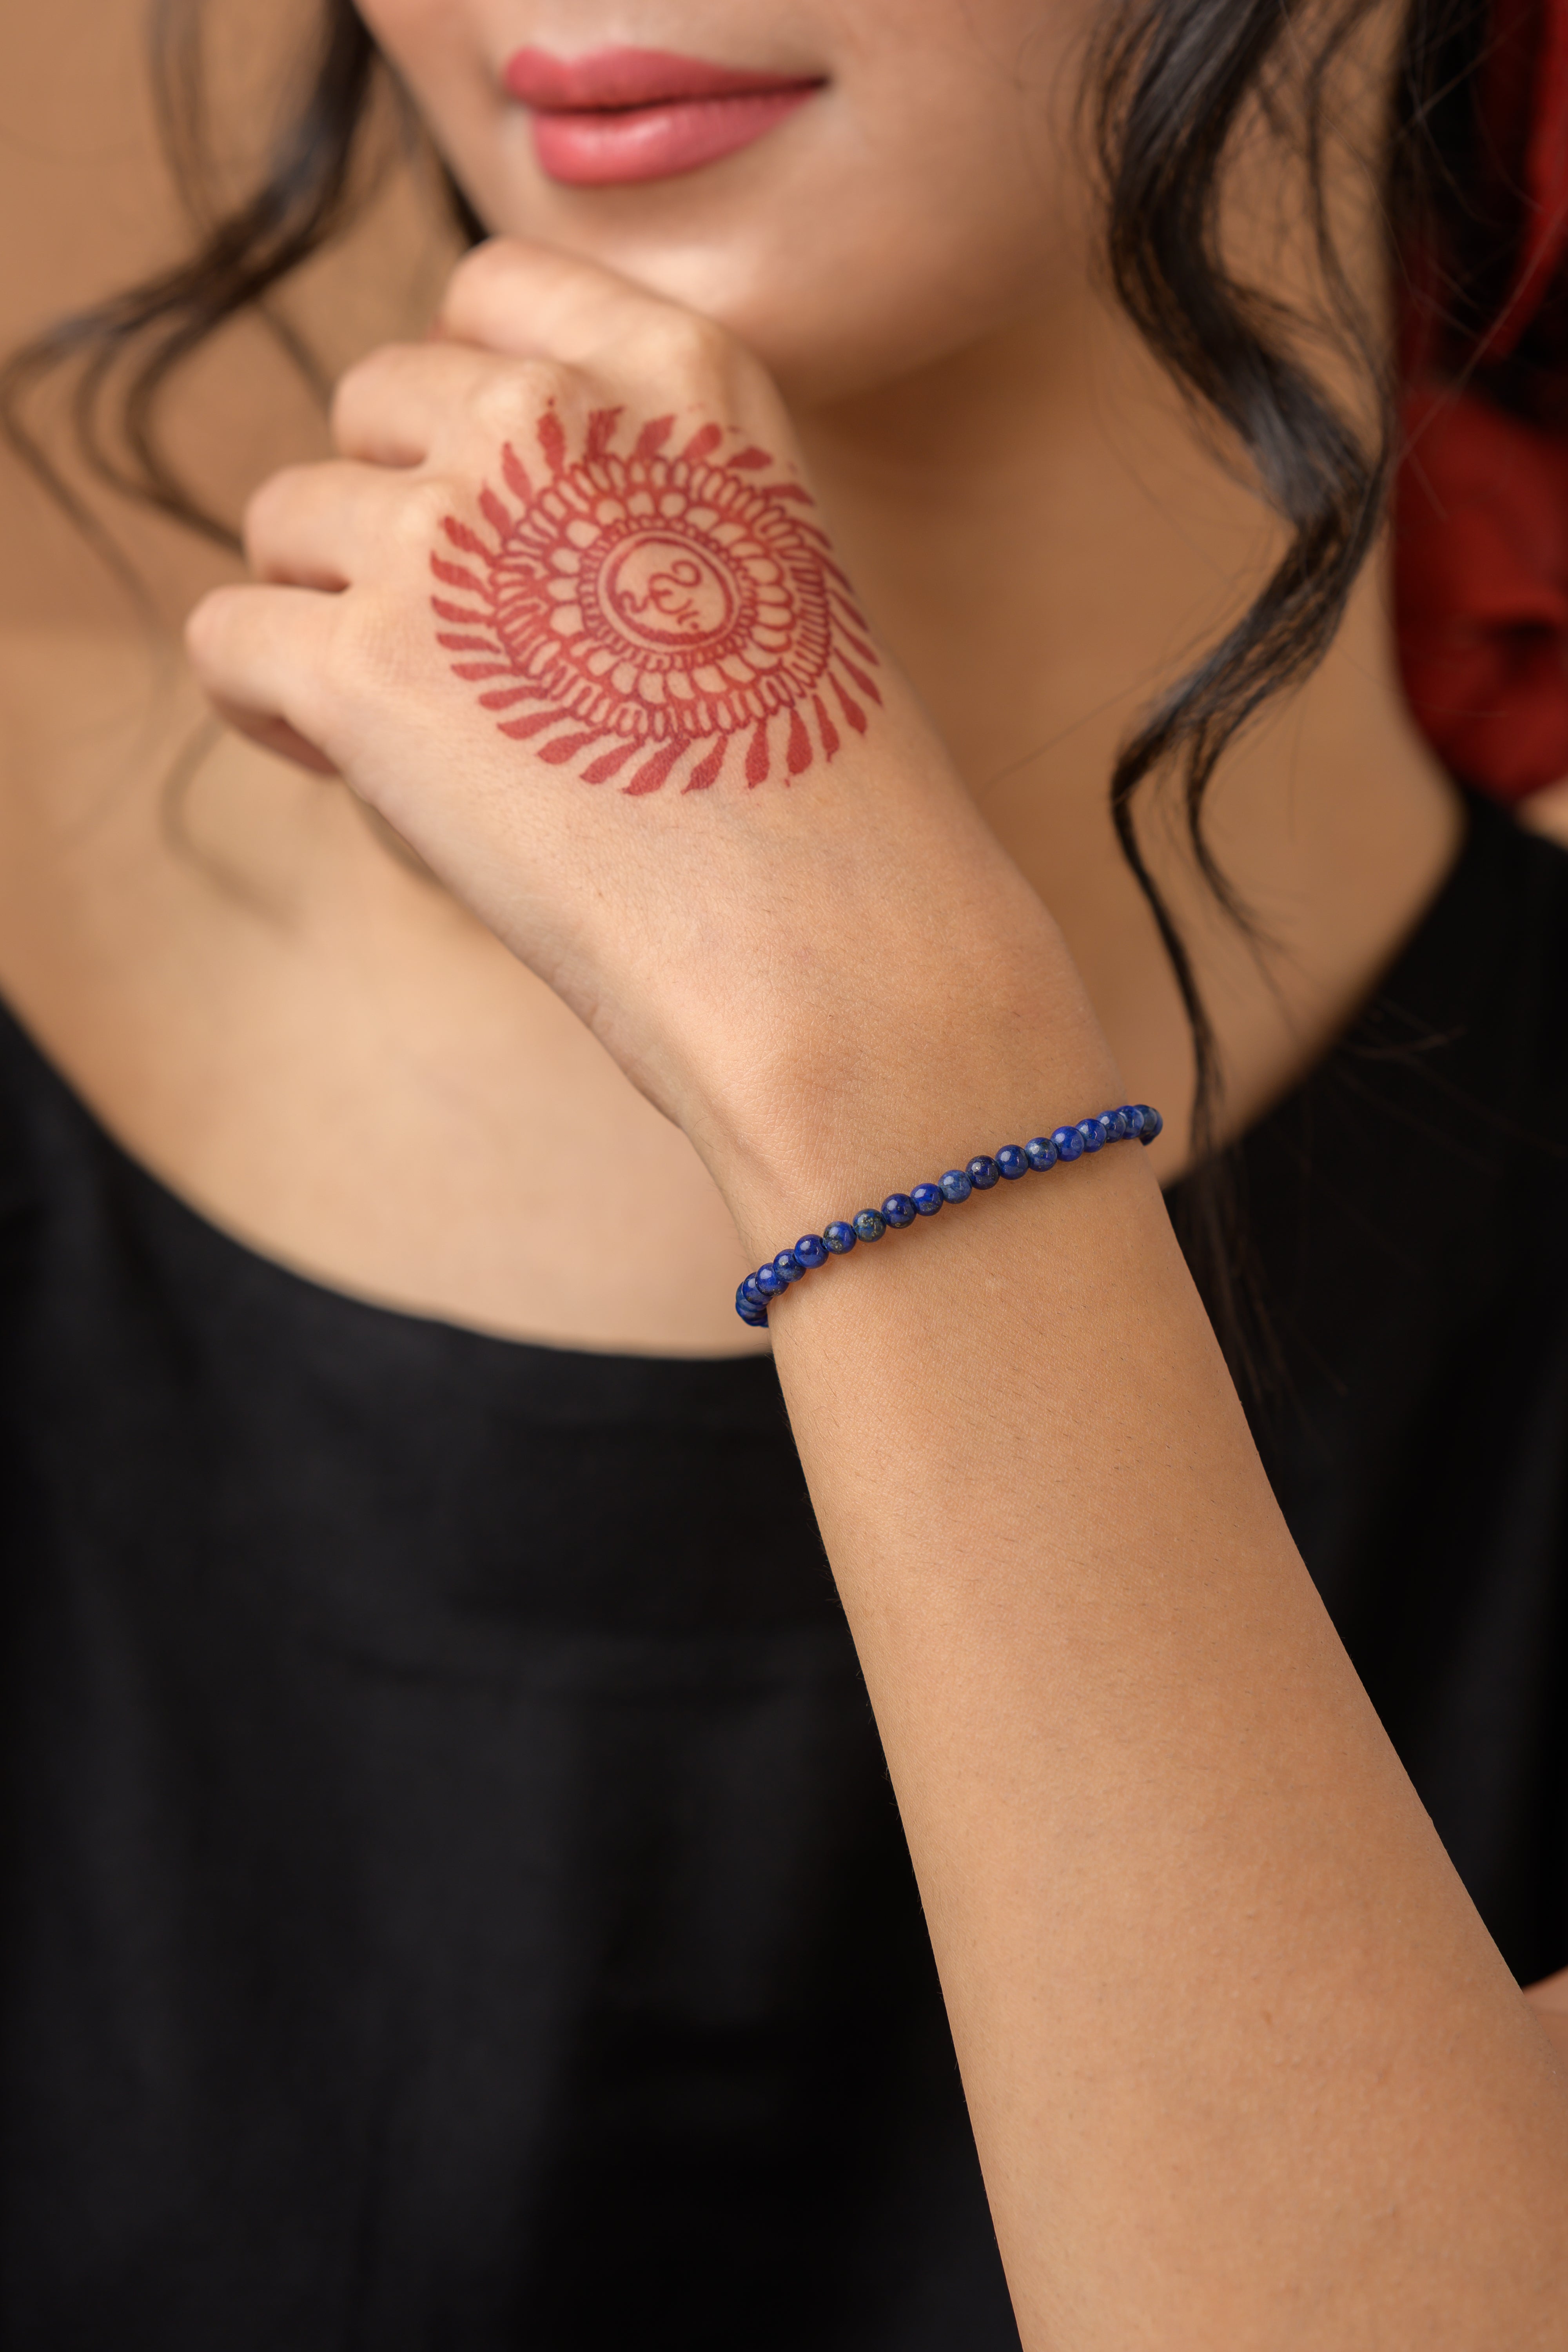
x,y
453,1893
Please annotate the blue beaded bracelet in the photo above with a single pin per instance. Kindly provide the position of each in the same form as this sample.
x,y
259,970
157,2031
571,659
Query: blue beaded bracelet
x,y
1013,1160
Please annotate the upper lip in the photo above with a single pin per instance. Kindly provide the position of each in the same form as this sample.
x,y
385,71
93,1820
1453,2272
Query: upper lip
x,y
609,81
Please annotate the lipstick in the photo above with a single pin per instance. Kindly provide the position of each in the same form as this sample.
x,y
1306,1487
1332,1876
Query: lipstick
x,y
619,115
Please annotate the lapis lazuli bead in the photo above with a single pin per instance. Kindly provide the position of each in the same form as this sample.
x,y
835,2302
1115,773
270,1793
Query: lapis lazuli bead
x,y
1010,1160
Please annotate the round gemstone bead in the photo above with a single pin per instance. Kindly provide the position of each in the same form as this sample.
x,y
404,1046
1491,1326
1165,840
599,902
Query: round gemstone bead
x,y
1011,1161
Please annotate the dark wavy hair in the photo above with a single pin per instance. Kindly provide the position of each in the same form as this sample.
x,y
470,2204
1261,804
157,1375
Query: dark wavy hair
x,y
1172,83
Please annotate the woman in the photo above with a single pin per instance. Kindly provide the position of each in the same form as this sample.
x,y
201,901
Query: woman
x,y
459,1898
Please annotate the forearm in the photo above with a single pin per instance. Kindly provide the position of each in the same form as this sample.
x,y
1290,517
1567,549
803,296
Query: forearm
x,y
1243,2064
1244,2067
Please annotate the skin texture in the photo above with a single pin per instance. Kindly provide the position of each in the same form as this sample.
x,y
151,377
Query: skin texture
x,y
1244,2067
658,612
327,1055
1121,1753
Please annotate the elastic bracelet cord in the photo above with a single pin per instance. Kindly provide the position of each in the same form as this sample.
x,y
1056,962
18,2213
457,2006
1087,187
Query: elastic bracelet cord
x,y
759,1290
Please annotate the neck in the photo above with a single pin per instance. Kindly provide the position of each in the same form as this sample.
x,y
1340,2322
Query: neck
x,y
1044,543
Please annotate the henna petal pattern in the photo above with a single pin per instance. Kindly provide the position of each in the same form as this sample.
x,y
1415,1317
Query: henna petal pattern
x,y
679,607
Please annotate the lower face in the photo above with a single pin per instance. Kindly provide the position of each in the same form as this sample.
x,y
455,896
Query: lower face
x,y
857,190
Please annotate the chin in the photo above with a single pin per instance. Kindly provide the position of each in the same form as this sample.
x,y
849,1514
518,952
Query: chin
x,y
829,311
893,191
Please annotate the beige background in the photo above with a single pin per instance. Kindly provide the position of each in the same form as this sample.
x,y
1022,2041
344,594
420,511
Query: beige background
x,y
89,207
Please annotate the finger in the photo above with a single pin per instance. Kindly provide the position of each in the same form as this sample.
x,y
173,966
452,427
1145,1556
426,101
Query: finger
x,y
533,302
626,344
400,406
254,651
326,525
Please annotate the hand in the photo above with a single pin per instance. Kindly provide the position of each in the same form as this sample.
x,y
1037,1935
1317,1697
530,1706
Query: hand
x,y
564,613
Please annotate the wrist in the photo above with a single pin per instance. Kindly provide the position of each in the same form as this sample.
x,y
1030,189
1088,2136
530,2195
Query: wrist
x,y
894,1071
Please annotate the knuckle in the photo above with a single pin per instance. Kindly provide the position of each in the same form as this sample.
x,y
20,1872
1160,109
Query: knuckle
x,y
420,511
505,397
372,664
497,400
695,350
350,631
363,650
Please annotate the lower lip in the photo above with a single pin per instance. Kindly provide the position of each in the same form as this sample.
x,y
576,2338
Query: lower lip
x,y
589,149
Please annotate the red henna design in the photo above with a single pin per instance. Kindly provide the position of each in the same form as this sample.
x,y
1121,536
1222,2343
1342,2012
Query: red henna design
x,y
647,611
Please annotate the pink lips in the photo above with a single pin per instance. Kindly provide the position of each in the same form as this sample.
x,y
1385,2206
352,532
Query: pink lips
x,y
618,115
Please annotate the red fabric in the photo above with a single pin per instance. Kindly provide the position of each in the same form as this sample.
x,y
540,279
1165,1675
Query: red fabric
x,y
1481,590
1481,502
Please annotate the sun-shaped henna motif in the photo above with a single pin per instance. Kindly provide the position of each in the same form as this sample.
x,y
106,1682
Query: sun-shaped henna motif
x,y
652,613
